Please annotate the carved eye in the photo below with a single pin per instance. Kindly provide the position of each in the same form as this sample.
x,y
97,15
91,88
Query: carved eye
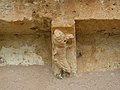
x,y
64,40
34,12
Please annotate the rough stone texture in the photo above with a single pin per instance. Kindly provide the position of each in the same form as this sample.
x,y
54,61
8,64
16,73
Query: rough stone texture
x,y
98,41
64,48
25,49
21,56
100,49
97,52
13,10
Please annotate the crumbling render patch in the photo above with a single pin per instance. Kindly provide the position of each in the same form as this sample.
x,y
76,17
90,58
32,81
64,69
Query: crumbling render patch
x,y
25,49
24,55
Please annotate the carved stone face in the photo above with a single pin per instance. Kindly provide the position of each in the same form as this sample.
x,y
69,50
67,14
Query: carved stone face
x,y
58,33
59,36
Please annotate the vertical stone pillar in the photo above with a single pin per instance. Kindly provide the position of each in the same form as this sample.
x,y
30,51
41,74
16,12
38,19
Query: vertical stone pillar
x,y
63,48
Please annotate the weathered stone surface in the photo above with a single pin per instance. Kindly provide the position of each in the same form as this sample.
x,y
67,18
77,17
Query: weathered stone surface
x,y
25,49
97,27
64,49
13,10
98,45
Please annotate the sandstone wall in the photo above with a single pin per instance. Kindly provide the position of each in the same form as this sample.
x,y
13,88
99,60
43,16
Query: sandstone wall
x,y
99,49
28,23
